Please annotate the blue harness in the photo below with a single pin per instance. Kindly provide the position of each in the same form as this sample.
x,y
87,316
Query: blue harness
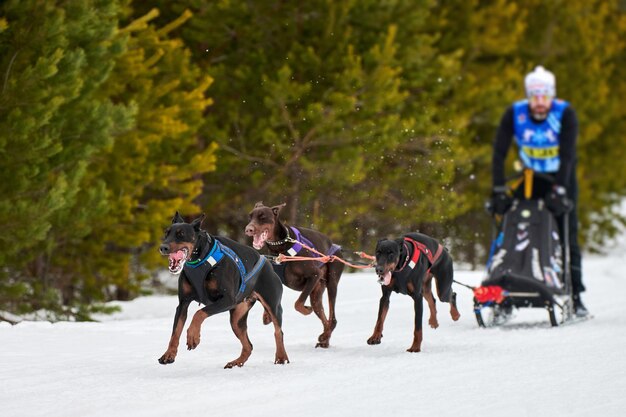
x,y
218,252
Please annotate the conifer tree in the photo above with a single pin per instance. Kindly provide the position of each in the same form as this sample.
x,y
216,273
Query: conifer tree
x,y
152,170
93,194
584,44
498,43
325,105
54,56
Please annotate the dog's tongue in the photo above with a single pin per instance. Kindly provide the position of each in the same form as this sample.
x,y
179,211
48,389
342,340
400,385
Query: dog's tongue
x,y
259,240
386,279
176,260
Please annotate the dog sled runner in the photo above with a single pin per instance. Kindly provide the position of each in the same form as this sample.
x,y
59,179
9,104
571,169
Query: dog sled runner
x,y
528,266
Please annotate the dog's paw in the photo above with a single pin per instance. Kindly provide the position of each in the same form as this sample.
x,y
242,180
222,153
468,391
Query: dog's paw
x,y
281,360
323,344
232,364
433,323
193,338
324,339
167,358
375,339
414,349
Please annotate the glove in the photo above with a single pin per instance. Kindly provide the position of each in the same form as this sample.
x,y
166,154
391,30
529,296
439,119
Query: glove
x,y
500,201
557,201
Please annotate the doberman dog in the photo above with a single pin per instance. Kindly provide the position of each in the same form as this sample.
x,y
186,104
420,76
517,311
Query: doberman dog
x,y
224,276
407,265
309,276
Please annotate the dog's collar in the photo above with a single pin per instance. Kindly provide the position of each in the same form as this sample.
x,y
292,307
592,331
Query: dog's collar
x,y
410,260
406,258
298,242
204,240
213,255
216,254
220,251
281,242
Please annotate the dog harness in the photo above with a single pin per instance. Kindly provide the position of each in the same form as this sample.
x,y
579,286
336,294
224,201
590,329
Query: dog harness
x,y
418,249
298,242
199,269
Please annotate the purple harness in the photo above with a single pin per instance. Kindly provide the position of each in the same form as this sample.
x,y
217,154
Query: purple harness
x,y
297,247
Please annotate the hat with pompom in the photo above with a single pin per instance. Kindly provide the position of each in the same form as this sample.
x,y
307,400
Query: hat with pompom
x,y
540,82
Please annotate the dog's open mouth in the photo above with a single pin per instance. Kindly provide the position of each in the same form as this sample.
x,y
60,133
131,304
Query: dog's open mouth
x,y
177,260
258,240
385,278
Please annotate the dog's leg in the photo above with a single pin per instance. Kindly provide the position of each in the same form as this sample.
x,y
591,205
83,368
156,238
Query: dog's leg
x,y
383,308
318,308
266,318
239,324
417,333
275,313
311,282
180,317
454,312
335,269
179,323
193,332
443,272
430,299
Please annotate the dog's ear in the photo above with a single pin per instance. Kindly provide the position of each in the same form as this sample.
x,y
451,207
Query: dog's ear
x,y
197,222
178,218
259,204
276,209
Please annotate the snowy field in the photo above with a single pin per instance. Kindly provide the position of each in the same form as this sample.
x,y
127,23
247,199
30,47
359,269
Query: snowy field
x,y
525,368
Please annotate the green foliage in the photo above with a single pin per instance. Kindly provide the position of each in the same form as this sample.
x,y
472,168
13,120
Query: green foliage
x,y
101,129
53,60
368,118
584,43
151,170
329,106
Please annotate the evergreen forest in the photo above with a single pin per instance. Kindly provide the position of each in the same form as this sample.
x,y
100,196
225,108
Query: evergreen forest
x,y
368,118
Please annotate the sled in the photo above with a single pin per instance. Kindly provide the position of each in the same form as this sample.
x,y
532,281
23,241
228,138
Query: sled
x,y
528,266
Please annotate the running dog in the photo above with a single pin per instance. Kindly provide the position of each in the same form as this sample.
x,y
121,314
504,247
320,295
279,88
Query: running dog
x,y
407,265
224,276
309,276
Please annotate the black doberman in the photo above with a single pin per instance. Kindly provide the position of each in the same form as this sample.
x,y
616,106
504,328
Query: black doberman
x,y
224,276
407,265
310,277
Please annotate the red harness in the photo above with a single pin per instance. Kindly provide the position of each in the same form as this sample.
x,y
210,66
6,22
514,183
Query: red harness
x,y
418,249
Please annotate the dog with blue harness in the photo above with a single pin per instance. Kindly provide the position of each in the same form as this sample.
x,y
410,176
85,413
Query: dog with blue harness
x,y
223,275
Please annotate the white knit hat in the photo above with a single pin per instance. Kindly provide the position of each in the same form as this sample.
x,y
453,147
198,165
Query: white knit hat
x,y
540,81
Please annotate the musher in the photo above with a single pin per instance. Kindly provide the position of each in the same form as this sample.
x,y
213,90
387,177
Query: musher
x,y
545,130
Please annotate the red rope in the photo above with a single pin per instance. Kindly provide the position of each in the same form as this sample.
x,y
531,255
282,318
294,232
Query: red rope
x,y
325,258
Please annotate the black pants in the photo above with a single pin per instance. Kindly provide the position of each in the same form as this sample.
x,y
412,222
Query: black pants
x,y
574,248
540,190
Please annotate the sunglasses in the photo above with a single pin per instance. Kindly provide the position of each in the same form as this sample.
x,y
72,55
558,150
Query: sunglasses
x,y
540,98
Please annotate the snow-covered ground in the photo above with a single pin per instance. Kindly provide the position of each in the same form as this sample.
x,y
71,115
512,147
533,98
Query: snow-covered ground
x,y
525,368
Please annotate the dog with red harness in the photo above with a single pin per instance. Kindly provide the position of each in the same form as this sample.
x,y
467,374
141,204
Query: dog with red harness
x,y
309,276
407,265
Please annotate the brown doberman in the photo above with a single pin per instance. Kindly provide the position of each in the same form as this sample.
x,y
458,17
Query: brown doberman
x,y
407,265
311,277
224,276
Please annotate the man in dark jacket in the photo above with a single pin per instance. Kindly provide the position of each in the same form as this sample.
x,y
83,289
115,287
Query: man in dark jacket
x,y
545,130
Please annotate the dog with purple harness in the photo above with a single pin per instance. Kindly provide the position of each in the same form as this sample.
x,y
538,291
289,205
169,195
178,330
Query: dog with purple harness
x,y
310,277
